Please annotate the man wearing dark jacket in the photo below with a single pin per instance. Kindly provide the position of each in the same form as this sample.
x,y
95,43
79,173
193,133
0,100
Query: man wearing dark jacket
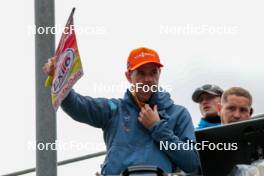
x,y
138,127
208,97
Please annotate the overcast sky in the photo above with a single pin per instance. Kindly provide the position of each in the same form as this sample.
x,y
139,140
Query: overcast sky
x,y
198,42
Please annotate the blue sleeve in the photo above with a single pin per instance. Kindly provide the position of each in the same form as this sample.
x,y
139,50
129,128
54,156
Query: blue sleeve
x,y
187,160
96,112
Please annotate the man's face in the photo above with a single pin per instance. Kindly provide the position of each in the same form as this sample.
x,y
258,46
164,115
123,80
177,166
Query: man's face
x,y
208,104
143,79
236,108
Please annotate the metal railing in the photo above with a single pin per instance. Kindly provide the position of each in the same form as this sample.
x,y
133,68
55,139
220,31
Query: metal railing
x,y
258,116
60,163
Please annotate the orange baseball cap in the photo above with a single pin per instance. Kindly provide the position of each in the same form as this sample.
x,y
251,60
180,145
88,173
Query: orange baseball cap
x,y
141,56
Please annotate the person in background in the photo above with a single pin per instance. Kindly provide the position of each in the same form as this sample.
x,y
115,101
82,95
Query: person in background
x,y
208,97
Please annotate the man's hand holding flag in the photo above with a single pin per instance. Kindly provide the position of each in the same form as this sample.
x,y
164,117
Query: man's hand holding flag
x,y
65,68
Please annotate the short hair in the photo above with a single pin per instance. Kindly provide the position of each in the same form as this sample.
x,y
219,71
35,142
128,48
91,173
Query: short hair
x,y
238,91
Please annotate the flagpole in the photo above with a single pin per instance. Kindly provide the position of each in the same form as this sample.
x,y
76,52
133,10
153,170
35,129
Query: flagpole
x,y
46,160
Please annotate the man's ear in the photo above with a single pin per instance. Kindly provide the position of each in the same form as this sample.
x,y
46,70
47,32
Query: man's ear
x,y
128,76
251,111
218,108
159,71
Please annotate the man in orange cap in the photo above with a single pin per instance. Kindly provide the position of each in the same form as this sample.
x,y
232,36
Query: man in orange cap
x,y
140,128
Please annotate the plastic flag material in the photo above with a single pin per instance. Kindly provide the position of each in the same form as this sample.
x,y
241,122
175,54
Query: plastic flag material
x,y
68,67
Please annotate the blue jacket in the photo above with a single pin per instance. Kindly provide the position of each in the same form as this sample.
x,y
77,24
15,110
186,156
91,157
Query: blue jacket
x,y
203,123
127,141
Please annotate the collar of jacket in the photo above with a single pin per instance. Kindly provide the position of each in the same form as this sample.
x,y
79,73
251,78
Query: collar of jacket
x,y
212,119
204,124
139,103
160,98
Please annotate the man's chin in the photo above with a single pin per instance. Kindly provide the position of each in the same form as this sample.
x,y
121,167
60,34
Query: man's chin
x,y
145,96
233,121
